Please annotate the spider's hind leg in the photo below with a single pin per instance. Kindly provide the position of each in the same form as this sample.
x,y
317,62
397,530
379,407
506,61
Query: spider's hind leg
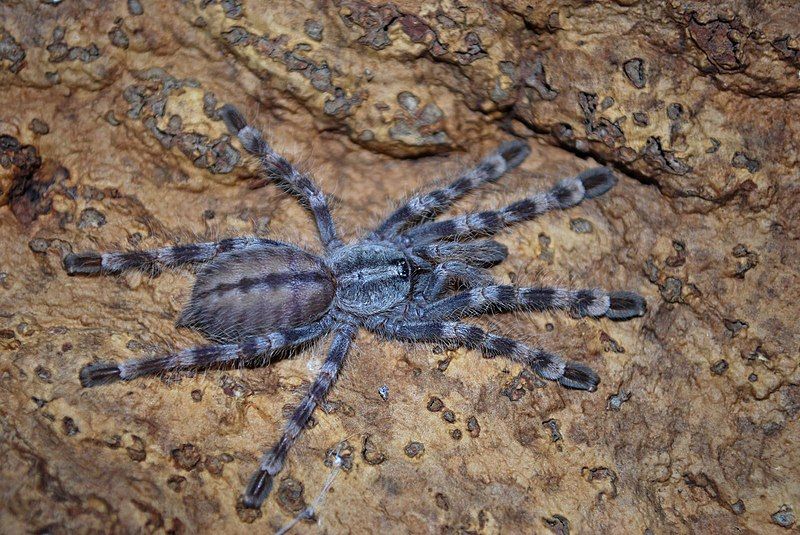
x,y
98,373
567,373
272,463
151,261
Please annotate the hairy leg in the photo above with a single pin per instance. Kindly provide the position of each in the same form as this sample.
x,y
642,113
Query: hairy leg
x,y
198,357
425,206
91,263
272,463
479,253
566,193
504,298
550,366
447,273
278,167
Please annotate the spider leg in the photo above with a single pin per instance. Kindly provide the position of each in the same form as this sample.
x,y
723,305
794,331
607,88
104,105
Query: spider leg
x,y
99,373
479,253
91,263
566,193
277,166
503,298
549,366
261,483
508,156
446,273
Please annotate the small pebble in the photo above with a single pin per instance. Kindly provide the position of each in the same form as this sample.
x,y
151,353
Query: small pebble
x,y
580,226
615,402
635,71
91,218
314,29
408,101
40,127
719,367
784,517
414,449
435,404
70,429
674,111
640,118
473,427
135,7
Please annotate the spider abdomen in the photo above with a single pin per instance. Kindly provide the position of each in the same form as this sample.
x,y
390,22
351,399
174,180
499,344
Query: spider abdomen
x,y
254,291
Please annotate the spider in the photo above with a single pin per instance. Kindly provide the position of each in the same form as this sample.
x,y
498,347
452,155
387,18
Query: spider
x,y
411,279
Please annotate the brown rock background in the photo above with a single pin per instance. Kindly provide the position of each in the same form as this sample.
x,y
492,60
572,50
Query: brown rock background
x,y
109,139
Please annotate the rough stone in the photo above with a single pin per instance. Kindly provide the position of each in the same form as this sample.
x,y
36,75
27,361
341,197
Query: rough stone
x,y
694,104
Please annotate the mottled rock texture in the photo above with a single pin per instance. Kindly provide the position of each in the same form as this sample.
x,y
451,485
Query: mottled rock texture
x,y
109,138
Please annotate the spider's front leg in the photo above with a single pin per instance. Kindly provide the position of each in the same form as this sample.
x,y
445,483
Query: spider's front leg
x,y
549,366
261,483
427,205
568,192
505,298
91,263
99,373
279,168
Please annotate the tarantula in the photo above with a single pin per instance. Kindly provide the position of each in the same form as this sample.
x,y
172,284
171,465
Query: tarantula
x,y
411,279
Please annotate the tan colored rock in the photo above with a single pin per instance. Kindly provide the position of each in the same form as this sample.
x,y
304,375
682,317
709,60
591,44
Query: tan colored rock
x,y
694,427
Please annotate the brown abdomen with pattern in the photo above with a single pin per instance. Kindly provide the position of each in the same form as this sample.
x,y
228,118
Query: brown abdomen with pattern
x,y
258,290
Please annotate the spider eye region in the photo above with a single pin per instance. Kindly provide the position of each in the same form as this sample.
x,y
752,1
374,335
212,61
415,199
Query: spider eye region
x,y
402,268
370,278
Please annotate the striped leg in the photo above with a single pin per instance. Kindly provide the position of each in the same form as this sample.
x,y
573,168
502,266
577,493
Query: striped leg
x,y
198,357
90,263
261,483
278,167
549,366
447,273
508,156
479,253
502,298
566,193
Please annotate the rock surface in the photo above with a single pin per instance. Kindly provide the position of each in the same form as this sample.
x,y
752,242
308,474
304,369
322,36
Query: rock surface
x,y
109,139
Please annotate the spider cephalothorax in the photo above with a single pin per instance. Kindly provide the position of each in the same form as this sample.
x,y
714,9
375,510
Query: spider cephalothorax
x,y
371,278
411,279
